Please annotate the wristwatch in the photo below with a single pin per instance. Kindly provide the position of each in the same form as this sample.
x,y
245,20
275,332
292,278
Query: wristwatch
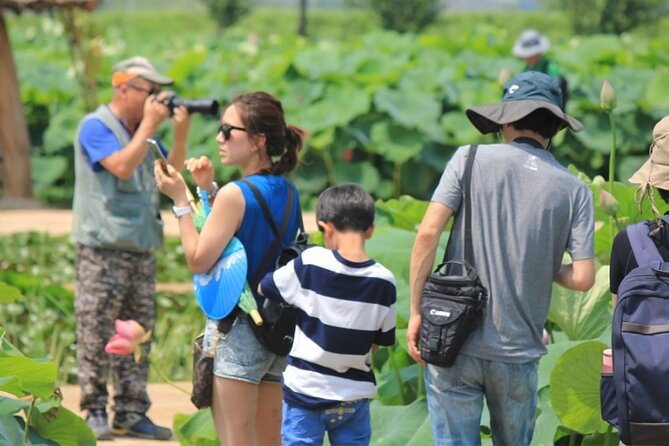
x,y
180,212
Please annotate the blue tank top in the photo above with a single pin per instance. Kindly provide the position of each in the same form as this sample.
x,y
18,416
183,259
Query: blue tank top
x,y
255,232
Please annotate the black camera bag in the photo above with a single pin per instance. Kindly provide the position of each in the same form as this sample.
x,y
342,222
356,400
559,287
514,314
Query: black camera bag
x,y
452,304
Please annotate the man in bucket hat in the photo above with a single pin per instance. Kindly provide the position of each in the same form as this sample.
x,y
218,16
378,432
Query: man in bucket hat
x,y
653,174
116,228
526,211
532,47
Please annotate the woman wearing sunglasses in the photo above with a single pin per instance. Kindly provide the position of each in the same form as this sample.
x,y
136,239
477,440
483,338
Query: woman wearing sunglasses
x,y
254,137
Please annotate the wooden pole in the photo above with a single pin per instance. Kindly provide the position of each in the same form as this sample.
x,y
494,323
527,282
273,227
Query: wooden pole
x,y
14,138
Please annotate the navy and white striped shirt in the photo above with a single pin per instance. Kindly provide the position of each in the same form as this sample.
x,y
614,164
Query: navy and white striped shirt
x,y
344,308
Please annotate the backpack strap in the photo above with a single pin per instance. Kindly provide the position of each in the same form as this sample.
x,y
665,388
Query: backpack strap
x,y
643,247
278,233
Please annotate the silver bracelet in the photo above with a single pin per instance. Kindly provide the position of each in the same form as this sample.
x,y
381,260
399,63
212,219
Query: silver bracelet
x,y
212,194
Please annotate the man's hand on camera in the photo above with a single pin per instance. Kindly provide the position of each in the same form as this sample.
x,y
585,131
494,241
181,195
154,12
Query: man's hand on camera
x,y
155,110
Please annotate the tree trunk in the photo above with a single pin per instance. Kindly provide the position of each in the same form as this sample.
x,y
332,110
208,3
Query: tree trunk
x,y
302,28
14,139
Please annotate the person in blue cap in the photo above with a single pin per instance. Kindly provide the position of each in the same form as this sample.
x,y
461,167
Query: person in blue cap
x,y
527,210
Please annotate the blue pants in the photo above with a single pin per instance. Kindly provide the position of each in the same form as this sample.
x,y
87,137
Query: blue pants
x,y
347,424
455,401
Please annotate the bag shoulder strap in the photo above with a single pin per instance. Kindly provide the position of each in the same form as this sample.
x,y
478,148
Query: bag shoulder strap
x,y
466,179
278,233
643,247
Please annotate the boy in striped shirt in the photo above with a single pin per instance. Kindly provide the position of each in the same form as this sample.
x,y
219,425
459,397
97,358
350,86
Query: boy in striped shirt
x,y
346,305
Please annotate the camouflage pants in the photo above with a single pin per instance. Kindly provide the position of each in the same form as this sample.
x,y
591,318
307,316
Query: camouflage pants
x,y
112,284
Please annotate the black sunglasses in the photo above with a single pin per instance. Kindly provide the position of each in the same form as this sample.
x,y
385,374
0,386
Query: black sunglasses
x,y
227,129
150,91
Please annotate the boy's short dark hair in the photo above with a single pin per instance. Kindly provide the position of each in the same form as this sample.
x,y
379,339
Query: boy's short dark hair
x,y
347,207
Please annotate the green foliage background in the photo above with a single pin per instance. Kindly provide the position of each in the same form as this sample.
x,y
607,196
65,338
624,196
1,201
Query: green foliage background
x,y
385,110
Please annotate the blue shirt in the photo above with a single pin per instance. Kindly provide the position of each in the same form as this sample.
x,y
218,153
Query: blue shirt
x,y
99,142
255,232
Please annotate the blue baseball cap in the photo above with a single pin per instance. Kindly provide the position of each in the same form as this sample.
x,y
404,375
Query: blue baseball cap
x,y
525,93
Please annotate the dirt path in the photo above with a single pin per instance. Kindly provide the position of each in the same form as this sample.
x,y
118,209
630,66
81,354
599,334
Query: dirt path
x,y
166,402
59,221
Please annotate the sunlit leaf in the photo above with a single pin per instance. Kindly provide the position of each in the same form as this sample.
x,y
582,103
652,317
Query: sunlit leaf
x,y
196,430
396,143
583,315
574,388
412,109
398,425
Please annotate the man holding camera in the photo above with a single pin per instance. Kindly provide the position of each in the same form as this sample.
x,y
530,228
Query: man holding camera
x,y
117,226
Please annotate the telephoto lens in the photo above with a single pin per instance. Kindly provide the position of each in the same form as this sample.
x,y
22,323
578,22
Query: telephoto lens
x,y
205,106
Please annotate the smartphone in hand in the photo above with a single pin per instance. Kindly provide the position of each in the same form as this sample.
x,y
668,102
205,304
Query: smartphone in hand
x,y
158,154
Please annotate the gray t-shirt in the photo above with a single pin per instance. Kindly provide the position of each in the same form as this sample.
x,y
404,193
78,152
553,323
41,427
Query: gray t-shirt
x,y
527,210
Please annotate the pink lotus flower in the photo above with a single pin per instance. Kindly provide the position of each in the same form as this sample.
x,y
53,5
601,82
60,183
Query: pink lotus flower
x,y
129,335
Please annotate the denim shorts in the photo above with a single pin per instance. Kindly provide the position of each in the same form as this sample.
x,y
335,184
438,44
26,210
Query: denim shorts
x,y
347,424
240,356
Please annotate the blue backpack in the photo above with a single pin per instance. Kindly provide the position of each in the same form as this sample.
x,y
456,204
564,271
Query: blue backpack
x,y
635,398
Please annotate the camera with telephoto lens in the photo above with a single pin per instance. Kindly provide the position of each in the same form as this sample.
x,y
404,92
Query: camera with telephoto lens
x,y
207,107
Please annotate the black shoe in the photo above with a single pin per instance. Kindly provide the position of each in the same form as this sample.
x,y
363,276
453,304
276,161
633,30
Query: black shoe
x,y
139,425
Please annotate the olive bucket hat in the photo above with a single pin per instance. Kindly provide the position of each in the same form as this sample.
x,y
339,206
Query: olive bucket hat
x,y
523,94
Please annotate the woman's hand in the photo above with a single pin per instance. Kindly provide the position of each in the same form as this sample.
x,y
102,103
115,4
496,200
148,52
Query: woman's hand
x,y
171,184
202,170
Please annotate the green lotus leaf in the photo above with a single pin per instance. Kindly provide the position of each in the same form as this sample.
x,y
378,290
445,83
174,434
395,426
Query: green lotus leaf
x,y
338,106
459,129
396,143
362,173
196,430
317,62
21,375
186,64
655,98
65,429
59,133
398,425
11,406
405,212
547,362
574,388
582,315
298,93
11,431
412,109
547,422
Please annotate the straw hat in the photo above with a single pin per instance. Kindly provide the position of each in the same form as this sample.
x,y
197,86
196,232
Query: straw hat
x,y
655,171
